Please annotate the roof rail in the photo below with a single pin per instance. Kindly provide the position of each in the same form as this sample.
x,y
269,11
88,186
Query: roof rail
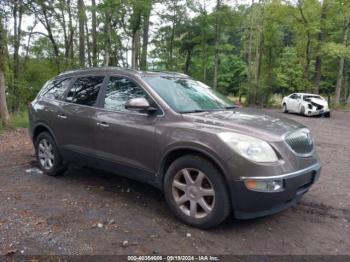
x,y
173,73
97,68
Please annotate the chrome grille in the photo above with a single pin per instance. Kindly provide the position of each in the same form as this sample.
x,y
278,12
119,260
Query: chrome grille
x,y
300,141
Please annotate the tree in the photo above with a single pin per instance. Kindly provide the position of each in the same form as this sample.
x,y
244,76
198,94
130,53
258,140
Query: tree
x,y
321,36
94,32
217,43
341,63
289,72
81,15
4,115
146,14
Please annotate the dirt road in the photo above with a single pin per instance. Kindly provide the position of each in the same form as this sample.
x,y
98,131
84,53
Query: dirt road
x,y
91,212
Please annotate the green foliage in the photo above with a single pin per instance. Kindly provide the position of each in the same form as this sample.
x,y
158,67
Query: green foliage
x,y
289,72
265,48
232,74
18,120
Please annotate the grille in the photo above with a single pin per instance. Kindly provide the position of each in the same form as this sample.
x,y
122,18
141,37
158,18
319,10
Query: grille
x,y
300,141
318,107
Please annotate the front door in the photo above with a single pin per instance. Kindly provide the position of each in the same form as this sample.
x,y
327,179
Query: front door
x,y
125,140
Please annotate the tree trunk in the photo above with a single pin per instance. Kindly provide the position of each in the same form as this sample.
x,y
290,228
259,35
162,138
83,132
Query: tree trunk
x,y
94,33
108,32
17,16
346,81
170,64
305,22
135,35
205,66
217,42
4,114
321,36
71,33
250,50
17,28
46,23
188,61
88,44
81,17
135,49
341,65
145,35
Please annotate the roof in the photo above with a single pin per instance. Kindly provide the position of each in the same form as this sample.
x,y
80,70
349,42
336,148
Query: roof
x,y
307,94
128,71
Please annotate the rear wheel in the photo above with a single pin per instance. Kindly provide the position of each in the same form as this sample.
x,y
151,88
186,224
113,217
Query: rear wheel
x,y
302,111
196,192
285,110
49,160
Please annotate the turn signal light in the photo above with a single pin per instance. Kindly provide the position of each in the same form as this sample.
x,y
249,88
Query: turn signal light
x,y
264,185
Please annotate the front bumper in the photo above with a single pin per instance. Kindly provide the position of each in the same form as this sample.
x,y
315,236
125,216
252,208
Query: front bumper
x,y
309,112
251,204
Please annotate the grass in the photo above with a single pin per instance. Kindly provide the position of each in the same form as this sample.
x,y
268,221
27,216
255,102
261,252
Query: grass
x,y
18,120
342,107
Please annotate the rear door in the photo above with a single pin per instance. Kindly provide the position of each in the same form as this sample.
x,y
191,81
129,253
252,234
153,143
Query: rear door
x,y
47,105
77,118
125,140
292,102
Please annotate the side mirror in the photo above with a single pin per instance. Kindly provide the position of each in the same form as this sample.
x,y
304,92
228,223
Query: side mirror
x,y
139,104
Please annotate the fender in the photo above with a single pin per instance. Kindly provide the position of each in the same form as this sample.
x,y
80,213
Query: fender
x,y
191,147
43,124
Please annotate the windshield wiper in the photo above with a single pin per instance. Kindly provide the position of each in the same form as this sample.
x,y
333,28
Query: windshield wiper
x,y
207,110
231,107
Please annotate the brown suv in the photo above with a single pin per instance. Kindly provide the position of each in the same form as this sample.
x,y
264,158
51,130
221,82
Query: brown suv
x,y
208,156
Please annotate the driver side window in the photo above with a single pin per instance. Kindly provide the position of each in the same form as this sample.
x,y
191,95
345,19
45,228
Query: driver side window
x,y
118,91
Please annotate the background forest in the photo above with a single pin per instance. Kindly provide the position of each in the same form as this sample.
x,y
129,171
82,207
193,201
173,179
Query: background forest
x,y
250,49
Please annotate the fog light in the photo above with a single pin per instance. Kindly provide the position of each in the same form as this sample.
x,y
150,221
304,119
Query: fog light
x,y
263,185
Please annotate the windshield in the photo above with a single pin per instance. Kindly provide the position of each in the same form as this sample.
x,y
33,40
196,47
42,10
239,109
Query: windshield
x,y
307,97
186,95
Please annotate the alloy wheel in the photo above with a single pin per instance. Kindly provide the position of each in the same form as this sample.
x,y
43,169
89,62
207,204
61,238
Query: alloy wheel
x,y
193,193
45,154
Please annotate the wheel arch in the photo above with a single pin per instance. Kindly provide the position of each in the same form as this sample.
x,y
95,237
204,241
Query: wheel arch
x,y
174,153
42,127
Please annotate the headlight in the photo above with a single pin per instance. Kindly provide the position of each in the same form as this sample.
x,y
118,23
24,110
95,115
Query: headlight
x,y
250,147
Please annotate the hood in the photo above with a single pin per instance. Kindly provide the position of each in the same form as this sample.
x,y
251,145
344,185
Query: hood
x,y
318,101
259,123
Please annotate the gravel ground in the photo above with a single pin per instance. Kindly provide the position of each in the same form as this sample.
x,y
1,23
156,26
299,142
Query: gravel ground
x,y
86,211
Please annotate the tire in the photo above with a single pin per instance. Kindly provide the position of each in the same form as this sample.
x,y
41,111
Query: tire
x,y
302,111
285,110
48,157
215,194
327,114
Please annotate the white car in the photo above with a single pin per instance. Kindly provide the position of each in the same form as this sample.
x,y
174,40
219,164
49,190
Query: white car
x,y
306,104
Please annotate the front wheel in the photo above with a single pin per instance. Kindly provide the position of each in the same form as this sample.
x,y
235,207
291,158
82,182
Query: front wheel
x,y
196,192
302,111
49,159
327,114
285,110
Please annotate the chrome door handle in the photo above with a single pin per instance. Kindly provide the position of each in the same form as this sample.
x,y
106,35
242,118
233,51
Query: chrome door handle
x,y
103,124
62,116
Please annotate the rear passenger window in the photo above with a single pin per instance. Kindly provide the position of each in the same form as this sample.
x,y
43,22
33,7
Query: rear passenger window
x,y
118,91
55,89
85,90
